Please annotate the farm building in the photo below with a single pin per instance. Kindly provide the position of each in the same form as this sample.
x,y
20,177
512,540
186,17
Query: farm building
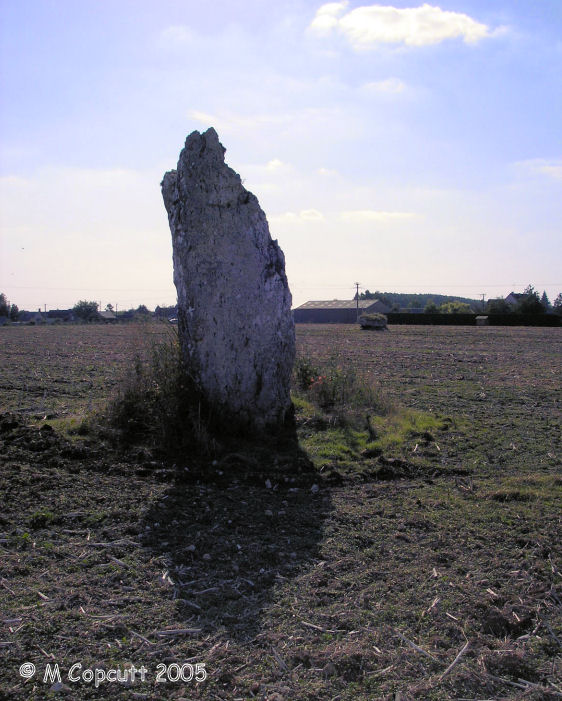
x,y
62,314
514,297
336,311
106,316
31,317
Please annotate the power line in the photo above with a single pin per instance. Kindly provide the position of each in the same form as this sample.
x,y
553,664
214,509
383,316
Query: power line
x,y
85,289
430,284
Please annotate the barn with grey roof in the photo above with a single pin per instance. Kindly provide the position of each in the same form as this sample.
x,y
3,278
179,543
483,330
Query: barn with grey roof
x,y
337,311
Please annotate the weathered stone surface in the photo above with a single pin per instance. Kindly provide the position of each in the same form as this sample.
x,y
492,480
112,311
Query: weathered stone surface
x,y
234,305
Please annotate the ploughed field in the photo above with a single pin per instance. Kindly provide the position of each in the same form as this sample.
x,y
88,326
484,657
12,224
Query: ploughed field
x,y
434,535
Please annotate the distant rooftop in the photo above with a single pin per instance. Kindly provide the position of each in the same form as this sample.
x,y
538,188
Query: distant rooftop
x,y
107,315
339,304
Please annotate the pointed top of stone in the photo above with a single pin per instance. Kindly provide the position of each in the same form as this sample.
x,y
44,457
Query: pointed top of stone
x,y
205,143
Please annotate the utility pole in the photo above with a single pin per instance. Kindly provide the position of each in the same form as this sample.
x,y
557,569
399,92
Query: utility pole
x,y
357,296
483,300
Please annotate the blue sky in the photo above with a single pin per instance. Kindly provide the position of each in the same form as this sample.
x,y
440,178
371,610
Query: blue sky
x,y
410,147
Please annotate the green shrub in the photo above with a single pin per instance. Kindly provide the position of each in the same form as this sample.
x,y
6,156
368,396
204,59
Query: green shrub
x,y
455,308
374,316
158,404
373,321
305,372
334,388
337,389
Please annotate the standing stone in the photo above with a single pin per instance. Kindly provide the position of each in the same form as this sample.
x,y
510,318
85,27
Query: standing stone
x,y
235,324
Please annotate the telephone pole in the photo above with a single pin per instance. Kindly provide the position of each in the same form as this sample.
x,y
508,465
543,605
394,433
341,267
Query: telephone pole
x,y
357,296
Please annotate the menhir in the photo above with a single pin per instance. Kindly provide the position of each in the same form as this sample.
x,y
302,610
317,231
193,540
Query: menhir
x,y
236,329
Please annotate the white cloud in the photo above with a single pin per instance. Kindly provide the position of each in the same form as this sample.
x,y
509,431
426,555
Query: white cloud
x,y
7,181
550,168
554,171
274,164
352,217
327,172
326,17
175,36
311,215
302,124
391,86
365,27
373,215
305,215
230,121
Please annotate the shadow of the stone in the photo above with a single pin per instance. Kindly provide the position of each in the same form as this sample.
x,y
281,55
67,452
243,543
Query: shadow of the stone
x,y
228,539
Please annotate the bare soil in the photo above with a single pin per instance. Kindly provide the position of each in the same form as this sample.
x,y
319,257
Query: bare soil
x,y
288,582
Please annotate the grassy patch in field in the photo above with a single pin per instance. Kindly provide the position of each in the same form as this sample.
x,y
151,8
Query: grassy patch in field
x,y
530,488
406,439
72,427
346,422
399,429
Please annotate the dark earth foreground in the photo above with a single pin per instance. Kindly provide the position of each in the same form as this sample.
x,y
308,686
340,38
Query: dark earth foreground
x,y
362,579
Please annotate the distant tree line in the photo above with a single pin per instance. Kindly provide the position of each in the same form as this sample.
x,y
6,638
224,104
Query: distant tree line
x,y
454,307
399,300
7,310
529,304
87,311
